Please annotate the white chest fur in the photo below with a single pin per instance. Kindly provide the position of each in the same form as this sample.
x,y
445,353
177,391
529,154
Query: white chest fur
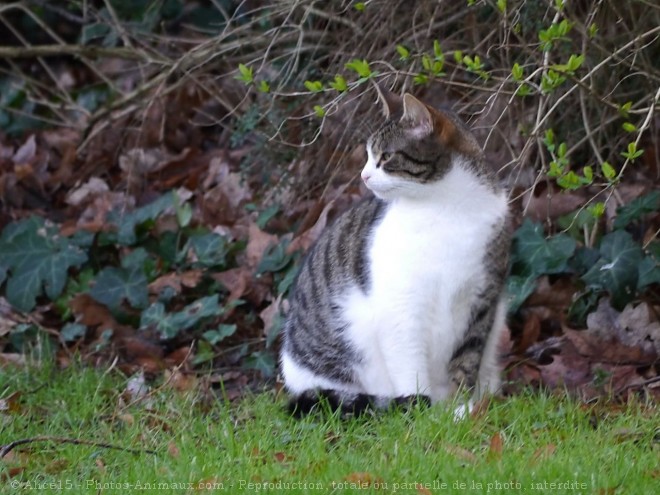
x,y
426,260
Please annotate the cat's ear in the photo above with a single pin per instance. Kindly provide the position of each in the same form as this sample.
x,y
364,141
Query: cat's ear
x,y
417,116
391,102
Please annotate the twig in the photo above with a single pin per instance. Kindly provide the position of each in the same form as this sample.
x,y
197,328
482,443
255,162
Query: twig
x,y
78,50
5,449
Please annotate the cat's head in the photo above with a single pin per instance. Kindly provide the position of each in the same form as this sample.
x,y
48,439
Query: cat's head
x,y
415,147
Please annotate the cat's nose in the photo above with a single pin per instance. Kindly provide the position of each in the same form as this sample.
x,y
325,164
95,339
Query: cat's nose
x,y
365,177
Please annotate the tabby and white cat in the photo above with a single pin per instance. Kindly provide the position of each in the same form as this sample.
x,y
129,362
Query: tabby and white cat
x,y
402,297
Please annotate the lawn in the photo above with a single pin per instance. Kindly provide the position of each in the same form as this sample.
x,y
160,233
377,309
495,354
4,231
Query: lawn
x,y
174,441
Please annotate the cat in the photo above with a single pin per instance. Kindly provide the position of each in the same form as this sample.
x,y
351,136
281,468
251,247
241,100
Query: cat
x,y
401,299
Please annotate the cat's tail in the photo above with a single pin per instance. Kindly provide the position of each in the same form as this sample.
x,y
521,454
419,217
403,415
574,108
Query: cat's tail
x,y
350,404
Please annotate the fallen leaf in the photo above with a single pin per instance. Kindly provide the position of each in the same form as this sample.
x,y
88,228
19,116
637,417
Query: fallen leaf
x,y
181,382
137,389
305,240
543,452
176,281
27,151
461,453
496,446
282,457
480,408
258,242
235,280
92,188
129,419
56,466
231,183
601,348
530,333
11,404
173,450
363,479
633,332
270,313
12,359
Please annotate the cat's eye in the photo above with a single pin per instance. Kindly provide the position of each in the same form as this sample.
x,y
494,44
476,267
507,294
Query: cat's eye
x,y
384,156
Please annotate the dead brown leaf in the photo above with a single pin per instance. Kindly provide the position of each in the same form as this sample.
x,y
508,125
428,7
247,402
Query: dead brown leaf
x,y
283,457
363,479
56,466
496,446
480,408
305,240
129,419
541,204
181,382
607,349
567,369
635,329
258,242
270,313
236,280
176,281
11,404
173,450
86,192
461,453
26,152
530,333
543,452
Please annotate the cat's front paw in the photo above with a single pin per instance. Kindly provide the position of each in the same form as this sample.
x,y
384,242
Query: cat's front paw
x,y
463,411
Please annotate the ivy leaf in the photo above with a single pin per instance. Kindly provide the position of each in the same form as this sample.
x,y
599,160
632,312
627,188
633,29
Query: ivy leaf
x,y
113,285
275,258
636,209
211,249
262,361
169,325
617,270
649,272
73,331
129,222
538,255
37,260
519,288
223,331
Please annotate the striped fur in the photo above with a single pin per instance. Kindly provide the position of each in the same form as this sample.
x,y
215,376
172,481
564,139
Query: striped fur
x,y
401,299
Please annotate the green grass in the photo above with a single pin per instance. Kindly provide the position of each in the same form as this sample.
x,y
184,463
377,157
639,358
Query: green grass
x,y
254,447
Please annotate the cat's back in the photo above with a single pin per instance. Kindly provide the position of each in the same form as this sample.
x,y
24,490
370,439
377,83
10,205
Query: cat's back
x,y
338,258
